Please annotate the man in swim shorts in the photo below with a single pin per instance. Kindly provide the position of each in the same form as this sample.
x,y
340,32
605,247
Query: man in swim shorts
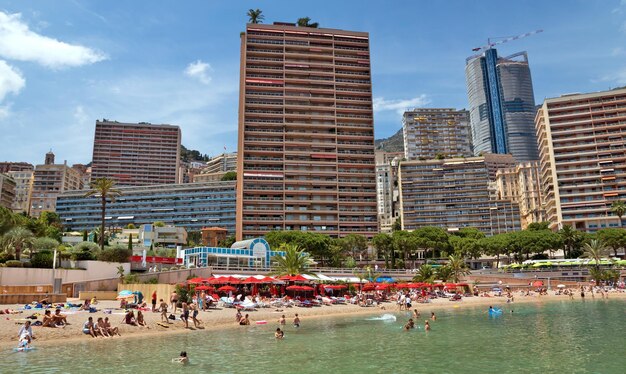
x,y
296,321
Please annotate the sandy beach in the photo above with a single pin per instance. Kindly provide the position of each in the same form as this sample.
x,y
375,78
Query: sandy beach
x,y
224,318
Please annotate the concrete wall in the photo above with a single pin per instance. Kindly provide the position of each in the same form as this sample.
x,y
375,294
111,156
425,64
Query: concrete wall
x,y
100,295
163,290
30,276
29,298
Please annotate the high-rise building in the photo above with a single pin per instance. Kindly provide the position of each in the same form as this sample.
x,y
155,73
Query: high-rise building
x,y
7,191
136,154
522,184
190,205
582,138
23,190
49,181
306,134
8,166
432,132
453,194
502,105
387,191
216,167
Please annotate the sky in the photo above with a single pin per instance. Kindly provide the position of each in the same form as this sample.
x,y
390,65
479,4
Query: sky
x,y
66,63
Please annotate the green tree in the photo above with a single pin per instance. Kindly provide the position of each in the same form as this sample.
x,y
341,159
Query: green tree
x,y
494,246
17,240
433,239
158,224
255,16
131,226
229,176
458,267
85,235
355,245
44,244
619,209
384,245
104,189
570,238
295,261
425,273
130,243
397,225
305,22
595,250
613,238
443,273
8,220
406,244
535,226
228,242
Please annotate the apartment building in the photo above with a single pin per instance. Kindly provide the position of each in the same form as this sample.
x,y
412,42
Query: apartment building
x,y
432,132
7,191
50,180
582,142
136,154
387,191
501,105
8,166
306,134
191,205
453,194
23,190
522,184
216,167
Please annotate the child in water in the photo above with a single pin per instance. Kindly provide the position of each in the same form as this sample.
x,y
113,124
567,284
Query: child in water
x,y
279,334
182,359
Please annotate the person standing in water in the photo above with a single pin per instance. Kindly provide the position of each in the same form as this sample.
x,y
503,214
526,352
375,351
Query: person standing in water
x,y
282,320
426,326
433,316
279,334
296,321
409,325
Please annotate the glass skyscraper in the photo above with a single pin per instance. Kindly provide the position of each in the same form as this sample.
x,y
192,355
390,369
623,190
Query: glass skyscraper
x,y
502,105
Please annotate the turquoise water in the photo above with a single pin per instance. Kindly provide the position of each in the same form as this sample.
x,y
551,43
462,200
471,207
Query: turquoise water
x,y
556,337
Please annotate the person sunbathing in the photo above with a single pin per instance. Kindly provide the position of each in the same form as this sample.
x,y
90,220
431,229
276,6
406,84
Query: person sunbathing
x,y
85,306
101,329
111,330
129,318
59,318
48,320
88,328
140,320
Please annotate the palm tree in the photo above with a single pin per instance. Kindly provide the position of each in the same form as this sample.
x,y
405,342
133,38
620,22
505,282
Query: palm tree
x,y
295,261
255,16
105,189
425,273
619,208
18,239
569,236
457,267
595,250
304,22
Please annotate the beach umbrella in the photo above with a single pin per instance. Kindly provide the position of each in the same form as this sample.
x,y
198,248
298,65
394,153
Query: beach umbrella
x,y
294,288
251,280
537,284
560,286
204,288
307,288
382,286
293,278
195,281
125,294
227,289
369,287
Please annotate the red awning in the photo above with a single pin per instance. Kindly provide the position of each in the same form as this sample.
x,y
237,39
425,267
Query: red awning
x,y
227,289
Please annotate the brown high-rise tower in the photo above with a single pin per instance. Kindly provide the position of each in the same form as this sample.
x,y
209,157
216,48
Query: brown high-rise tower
x,y
306,133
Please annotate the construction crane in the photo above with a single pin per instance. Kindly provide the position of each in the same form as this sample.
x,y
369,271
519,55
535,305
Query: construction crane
x,y
491,44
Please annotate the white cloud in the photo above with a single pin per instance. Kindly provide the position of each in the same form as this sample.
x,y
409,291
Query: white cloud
x,y
617,77
380,104
11,81
200,71
18,42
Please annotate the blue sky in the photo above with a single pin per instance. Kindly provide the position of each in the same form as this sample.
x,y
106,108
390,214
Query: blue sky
x,y
66,63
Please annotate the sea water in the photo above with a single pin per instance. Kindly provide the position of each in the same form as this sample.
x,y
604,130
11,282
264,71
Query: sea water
x,y
553,337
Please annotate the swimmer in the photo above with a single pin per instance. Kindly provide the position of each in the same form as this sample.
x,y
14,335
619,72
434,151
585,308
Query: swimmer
x,y
182,359
416,313
426,326
433,316
491,309
296,321
279,334
409,325
282,320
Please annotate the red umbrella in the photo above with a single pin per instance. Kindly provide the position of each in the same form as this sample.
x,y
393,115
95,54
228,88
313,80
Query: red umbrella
x,y
294,288
294,278
369,287
402,285
204,288
251,280
382,287
537,283
268,280
195,281
227,289
307,288
451,285
224,280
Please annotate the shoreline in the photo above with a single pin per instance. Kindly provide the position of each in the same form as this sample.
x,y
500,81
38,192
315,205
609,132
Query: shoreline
x,y
223,319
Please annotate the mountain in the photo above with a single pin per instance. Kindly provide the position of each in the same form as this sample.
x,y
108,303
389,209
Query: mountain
x,y
188,155
394,143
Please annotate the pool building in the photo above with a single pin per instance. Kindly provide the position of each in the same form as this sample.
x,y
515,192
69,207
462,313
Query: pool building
x,y
245,253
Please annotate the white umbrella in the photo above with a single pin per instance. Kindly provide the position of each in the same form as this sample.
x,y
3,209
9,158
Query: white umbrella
x,y
560,286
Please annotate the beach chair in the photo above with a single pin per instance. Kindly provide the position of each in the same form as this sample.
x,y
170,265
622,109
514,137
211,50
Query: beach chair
x,y
247,305
226,302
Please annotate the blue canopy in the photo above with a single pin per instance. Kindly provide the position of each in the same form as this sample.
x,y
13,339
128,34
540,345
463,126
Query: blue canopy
x,y
384,279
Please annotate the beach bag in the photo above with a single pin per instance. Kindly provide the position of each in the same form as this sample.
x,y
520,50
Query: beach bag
x,y
172,317
27,306
92,310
